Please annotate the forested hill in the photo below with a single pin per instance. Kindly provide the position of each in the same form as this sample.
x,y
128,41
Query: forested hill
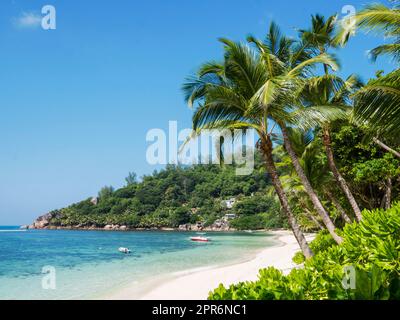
x,y
202,196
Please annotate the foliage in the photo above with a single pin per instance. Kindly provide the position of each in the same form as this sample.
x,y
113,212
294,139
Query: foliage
x,y
131,178
372,247
106,192
321,243
364,165
377,104
179,195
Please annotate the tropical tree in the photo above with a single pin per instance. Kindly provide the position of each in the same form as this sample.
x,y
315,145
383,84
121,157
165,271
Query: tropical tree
x,y
321,178
296,61
106,192
320,37
375,18
250,90
131,179
378,103
329,91
224,94
308,148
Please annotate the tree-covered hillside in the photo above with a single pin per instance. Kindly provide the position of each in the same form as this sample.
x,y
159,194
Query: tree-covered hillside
x,y
176,196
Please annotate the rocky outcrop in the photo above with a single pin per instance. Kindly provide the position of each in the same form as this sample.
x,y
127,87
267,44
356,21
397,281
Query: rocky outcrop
x,y
115,227
184,227
218,225
43,221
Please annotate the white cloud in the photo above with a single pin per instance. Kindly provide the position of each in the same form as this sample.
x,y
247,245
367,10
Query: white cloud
x,y
28,20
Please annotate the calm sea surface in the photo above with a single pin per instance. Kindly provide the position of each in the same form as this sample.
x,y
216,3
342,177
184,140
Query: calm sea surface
x,y
88,265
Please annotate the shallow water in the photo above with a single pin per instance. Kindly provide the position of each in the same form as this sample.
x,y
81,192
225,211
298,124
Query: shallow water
x,y
87,264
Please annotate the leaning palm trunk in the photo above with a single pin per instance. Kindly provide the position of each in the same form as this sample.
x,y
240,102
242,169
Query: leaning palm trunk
x,y
266,148
338,177
313,219
386,147
338,206
388,194
308,188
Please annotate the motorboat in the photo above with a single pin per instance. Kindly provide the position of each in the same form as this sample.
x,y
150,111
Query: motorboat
x,y
200,239
124,250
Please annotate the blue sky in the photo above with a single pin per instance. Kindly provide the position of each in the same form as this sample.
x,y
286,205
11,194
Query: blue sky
x,y
76,102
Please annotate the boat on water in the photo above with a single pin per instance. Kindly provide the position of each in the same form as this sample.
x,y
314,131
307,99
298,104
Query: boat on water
x,y
124,250
200,239
201,233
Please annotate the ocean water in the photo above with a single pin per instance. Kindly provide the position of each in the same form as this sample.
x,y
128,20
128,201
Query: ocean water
x,y
87,264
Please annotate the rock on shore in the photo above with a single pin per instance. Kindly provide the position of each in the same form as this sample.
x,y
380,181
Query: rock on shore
x,y
219,225
44,222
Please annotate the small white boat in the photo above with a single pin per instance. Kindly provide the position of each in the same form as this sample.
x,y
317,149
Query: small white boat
x,y
124,250
201,233
200,239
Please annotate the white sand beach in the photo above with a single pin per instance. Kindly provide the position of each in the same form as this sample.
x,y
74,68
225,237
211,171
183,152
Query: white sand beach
x,y
196,284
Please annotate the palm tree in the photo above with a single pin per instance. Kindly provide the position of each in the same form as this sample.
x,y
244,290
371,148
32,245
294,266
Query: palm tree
x,y
376,18
378,106
331,92
224,94
378,103
308,150
298,198
250,90
320,38
292,70
319,175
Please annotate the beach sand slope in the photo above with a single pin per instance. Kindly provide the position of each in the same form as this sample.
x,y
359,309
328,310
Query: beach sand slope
x,y
196,285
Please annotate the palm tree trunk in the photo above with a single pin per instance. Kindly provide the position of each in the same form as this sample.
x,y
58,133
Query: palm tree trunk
x,y
307,186
266,147
338,206
313,219
338,177
386,147
388,195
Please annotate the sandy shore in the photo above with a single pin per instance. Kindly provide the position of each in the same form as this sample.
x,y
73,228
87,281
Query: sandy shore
x,y
196,284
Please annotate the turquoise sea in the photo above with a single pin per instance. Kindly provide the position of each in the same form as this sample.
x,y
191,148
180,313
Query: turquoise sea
x,y
87,264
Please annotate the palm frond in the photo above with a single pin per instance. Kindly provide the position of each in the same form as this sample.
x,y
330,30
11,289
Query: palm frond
x,y
324,58
376,18
392,50
310,117
378,105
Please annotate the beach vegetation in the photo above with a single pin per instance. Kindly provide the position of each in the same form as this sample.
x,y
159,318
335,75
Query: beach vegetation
x,y
366,266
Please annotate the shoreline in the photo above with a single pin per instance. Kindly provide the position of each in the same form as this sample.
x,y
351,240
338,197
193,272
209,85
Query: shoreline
x,y
162,229
196,284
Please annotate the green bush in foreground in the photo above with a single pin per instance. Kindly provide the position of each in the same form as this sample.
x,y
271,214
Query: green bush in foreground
x,y
322,242
371,249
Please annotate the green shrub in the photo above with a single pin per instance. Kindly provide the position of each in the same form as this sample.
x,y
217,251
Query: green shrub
x,y
371,248
253,222
322,242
